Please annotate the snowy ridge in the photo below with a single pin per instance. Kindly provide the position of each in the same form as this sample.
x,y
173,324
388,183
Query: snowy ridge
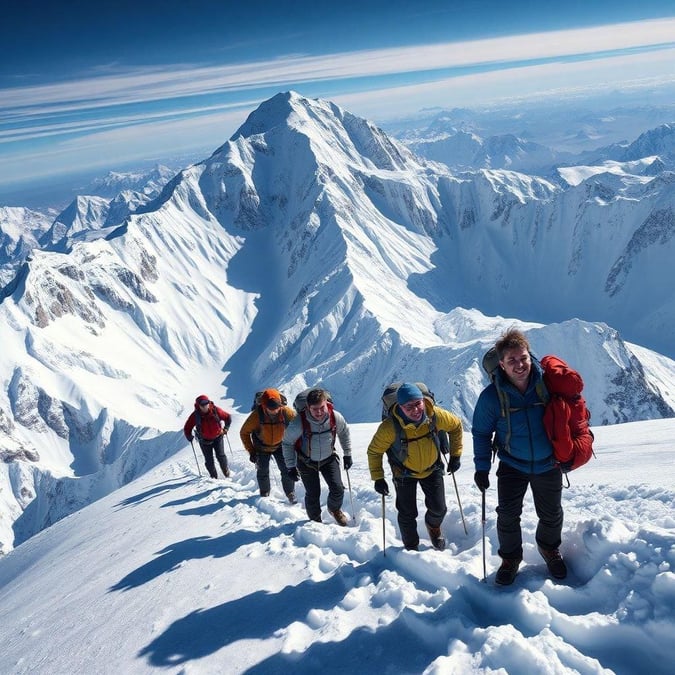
x,y
309,248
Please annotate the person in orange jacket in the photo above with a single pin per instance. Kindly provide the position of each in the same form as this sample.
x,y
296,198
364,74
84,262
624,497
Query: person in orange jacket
x,y
210,423
261,435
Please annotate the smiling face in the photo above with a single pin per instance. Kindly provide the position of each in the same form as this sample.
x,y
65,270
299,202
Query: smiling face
x,y
413,410
516,364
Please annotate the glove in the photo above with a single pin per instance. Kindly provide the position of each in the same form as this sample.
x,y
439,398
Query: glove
x,y
453,463
224,432
252,457
189,437
347,462
381,487
482,480
565,467
293,474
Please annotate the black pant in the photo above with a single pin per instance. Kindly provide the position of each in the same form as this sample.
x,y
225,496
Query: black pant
x,y
208,447
263,470
433,488
309,473
547,494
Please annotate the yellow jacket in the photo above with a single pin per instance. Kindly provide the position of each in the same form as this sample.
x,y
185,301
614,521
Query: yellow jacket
x,y
422,451
265,435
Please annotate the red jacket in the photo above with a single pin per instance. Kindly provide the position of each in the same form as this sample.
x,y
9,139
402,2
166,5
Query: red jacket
x,y
208,425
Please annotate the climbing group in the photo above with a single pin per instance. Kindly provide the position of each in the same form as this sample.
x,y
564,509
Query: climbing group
x,y
530,418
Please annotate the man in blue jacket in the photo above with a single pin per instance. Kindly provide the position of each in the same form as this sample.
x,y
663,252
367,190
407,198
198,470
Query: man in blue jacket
x,y
525,456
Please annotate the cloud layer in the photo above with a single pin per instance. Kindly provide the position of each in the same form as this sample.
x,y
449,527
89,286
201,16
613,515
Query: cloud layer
x,y
132,113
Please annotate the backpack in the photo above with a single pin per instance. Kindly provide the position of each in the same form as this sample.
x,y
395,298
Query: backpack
x,y
257,405
490,365
199,417
398,452
262,420
566,418
257,400
300,405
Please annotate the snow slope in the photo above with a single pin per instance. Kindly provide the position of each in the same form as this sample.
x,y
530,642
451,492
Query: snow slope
x,y
178,573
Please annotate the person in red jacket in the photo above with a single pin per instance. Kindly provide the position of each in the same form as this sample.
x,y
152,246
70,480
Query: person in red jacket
x,y
206,420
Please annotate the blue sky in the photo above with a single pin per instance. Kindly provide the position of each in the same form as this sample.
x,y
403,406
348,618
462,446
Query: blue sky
x,y
88,86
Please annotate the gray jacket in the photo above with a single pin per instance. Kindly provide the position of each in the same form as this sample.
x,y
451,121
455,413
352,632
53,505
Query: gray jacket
x,y
321,444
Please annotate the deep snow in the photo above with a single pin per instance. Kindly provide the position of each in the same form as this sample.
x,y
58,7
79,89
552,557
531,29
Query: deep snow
x,y
179,573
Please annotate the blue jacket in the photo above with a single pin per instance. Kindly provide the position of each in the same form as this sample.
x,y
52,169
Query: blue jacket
x,y
530,450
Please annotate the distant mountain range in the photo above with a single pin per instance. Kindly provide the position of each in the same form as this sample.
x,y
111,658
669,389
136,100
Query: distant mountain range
x,y
313,247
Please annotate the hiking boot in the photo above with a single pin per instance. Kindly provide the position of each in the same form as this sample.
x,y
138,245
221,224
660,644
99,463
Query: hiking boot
x,y
437,539
264,493
507,571
317,519
340,517
411,547
554,562
227,473
291,498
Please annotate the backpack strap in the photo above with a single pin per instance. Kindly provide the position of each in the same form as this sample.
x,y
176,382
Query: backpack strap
x,y
398,452
505,410
307,432
285,419
199,417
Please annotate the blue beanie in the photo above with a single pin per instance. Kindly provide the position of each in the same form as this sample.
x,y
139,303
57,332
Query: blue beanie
x,y
408,392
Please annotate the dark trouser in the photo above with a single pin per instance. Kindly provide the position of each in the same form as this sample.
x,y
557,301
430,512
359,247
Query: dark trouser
x,y
433,488
208,448
263,470
330,470
546,492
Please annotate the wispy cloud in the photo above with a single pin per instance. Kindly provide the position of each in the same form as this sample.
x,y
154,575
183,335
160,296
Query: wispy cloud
x,y
134,113
183,80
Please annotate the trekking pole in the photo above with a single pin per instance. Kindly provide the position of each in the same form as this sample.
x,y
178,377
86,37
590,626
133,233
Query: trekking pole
x,y
483,521
384,541
351,501
229,444
196,460
461,513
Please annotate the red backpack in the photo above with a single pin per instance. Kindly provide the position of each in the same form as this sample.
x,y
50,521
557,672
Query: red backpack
x,y
566,416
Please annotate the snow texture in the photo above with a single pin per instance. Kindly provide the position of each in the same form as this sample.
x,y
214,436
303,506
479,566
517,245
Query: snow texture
x,y
179,573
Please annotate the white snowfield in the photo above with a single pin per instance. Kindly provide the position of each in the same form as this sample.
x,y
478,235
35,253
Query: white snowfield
x,y
177,573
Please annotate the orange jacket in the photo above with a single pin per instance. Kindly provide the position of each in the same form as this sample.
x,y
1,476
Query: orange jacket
x,y
262,432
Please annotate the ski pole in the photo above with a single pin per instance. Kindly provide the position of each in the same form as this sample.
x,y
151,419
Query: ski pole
x,y
483,521
461,513
384,541
351,501
228,443
196,460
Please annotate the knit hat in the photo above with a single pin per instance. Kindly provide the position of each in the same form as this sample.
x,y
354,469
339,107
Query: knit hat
x,y
408,392
202,398
271,398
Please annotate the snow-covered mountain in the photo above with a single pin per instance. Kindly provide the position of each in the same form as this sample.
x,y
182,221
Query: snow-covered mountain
x,y
312,247
20,230
465,151
107,202
149,183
